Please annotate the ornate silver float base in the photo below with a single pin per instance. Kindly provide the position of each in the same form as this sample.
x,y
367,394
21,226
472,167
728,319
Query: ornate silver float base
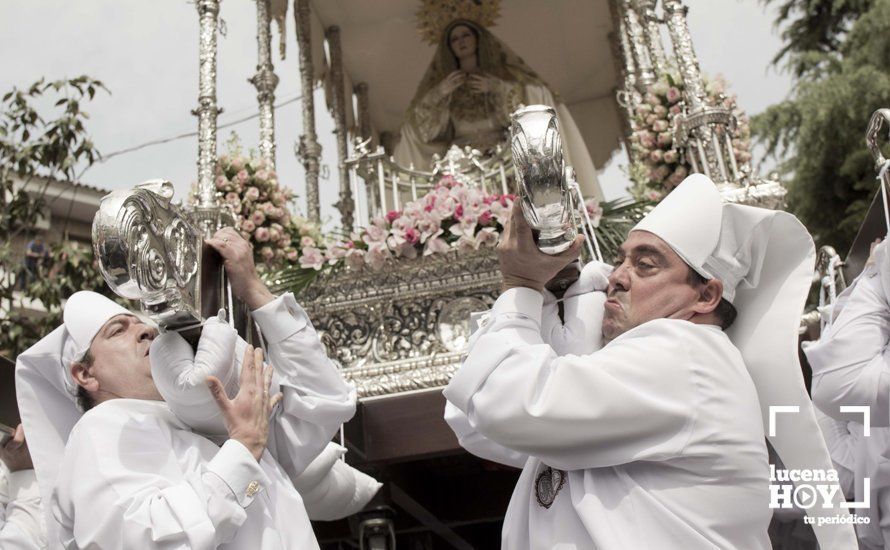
x,y
762,193
402,328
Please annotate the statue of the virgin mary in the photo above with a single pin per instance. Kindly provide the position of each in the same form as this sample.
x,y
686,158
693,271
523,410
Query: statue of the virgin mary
x,y
466,96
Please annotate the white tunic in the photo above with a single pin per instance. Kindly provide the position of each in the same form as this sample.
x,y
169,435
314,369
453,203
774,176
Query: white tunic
x,y
134,476
660,433
850,362
851,367
21,517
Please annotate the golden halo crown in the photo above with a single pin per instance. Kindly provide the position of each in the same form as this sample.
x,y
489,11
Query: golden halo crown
x,y
435,15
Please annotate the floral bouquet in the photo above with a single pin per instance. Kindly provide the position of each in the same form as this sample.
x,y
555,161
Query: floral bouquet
x,y
260,204
657,167
451,216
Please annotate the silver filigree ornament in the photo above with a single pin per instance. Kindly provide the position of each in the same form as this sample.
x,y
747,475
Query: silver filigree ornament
x,y
149,251
548,484
454,326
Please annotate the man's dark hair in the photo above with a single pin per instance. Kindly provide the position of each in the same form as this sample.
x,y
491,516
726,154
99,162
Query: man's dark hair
x,y
84,400
725,312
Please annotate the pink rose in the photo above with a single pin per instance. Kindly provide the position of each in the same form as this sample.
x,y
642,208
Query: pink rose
x,y
651,119
652,99
261,234
261,175
671,156
675,110
233,198
376,256
242,177
274,234
258,218
656,155
485,218
267,253
436,245
673,95
336,252
307,241
222,183
488,236
644,109
252,193
392,215
665,139
292,254
660,111
594,211
659,88
238,163
248,225
660,125
312,258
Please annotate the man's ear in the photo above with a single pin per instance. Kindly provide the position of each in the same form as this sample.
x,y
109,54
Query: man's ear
x,y
80,372
709,296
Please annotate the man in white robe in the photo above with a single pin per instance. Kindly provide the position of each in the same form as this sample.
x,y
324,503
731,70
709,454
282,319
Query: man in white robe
x,y
657,440
133,475
21,517
851,368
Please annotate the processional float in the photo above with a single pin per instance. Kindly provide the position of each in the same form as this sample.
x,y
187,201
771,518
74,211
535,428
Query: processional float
x,y
400,333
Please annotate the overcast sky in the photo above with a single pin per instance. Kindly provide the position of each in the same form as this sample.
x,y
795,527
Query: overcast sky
x,y
146,53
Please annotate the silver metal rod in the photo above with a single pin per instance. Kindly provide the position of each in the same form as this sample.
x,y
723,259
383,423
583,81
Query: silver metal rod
x,y
265,80
207,111
593,245
715,142
703,156
309,150
736,176
381,182
346,203
690,152
395,191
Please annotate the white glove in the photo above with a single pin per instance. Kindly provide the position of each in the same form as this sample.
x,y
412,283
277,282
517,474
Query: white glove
x,y
181,374
332,489
581,332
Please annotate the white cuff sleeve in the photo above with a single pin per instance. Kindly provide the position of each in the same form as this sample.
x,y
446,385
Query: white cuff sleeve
x,y
239,470
280,318
522,301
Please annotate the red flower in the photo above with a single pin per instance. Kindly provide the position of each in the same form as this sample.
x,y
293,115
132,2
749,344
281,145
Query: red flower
x,y
392,215
459,212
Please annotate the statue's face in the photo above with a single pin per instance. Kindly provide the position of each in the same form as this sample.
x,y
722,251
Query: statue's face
x,y
462,41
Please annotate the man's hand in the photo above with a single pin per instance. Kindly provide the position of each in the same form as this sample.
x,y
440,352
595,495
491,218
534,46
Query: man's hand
x,y
15,453
522,263
247,415
238,261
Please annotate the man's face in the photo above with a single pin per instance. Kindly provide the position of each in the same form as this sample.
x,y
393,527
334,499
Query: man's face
x,y
120,359
649,282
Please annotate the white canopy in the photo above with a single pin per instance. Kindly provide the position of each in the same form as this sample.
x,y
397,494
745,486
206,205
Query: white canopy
x,y
565,41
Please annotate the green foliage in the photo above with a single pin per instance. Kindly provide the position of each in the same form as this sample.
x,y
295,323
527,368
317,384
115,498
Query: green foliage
x,y
814,31
840,61
36,150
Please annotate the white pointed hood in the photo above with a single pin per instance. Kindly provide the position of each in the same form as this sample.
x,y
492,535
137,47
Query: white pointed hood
x,y
47,394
